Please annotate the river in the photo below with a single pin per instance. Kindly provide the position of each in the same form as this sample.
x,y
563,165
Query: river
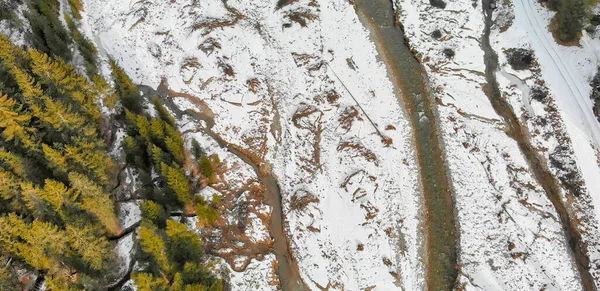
x,y
408,75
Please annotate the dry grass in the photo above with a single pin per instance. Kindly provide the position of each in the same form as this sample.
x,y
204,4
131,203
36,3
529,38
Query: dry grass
x,y
211,24
209,46
301,199
309,118
253,85
356,149
348,117
301,17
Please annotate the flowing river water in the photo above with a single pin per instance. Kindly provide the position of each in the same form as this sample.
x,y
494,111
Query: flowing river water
x,y
287,269
536,162
408,75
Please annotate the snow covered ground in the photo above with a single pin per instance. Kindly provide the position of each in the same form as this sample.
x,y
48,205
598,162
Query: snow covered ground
x,y
351,202
510,236
566,71
302,90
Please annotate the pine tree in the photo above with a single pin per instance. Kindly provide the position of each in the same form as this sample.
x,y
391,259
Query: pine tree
x,y
96,163
56,159
156,154
205,212
154,212
86,48
48,34
154,245
9,185
206,168
162,111
177,182
12,162
570,19
76,8
197,150
14,125
57,194
85,244
184,246
95,201
147,282
175,147
127,91
54,168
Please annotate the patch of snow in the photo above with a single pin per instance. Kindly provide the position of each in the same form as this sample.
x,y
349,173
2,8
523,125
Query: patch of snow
x,y
129,213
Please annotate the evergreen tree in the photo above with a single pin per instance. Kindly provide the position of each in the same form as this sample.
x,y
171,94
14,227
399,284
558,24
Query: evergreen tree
x,y
570,19
153,245
55,209
14,125
184,246
206,167
162,111
127,91
177,182
48,34
147,282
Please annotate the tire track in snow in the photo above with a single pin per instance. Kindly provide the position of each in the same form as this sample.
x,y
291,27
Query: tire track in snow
x,y
581,100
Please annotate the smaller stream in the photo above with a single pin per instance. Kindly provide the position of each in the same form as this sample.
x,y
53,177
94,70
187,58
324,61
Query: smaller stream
x,y
537,163
288,273
522,86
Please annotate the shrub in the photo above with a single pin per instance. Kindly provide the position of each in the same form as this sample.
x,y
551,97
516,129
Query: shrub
x,y
520,58
449,53
438,3
569,19
538,93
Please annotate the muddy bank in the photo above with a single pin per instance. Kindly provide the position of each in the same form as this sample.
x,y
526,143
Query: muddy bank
x,y
536,162
287,271
408,75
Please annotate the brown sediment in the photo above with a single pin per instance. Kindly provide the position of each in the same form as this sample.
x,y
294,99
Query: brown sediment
x,y
287,267
408,75
536,162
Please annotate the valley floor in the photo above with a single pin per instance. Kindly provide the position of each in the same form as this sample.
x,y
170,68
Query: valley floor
x,y
307,120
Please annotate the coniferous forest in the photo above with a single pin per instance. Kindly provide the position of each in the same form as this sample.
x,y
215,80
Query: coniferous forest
x,y
57,206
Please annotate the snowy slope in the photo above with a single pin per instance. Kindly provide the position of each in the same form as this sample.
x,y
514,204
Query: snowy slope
x,y
351,202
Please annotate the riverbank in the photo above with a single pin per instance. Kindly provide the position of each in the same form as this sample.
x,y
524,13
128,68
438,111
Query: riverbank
x,y
409,76
502,210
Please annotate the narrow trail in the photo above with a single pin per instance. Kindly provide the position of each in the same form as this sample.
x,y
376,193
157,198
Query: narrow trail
x,y
288,273
536,162
408,75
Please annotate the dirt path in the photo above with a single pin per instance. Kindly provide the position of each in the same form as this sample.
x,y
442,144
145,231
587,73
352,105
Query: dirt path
x,y
408,75
537,164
